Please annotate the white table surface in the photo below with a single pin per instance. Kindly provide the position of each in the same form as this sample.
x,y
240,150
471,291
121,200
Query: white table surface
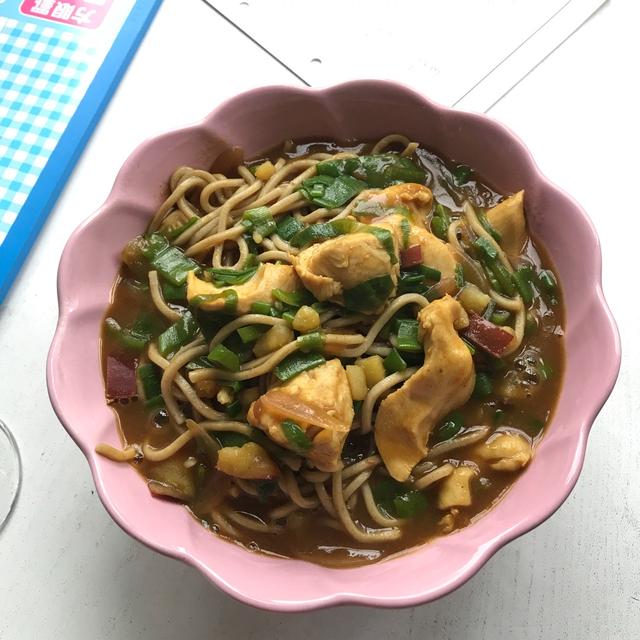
x,y
67,571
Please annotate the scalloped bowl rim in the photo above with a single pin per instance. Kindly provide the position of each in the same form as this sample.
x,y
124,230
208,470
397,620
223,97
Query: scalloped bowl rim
x,y
324,586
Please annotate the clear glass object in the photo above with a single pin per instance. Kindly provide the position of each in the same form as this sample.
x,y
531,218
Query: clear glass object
x,y
10,473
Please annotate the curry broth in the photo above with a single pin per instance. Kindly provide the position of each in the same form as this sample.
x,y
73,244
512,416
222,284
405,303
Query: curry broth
x,y
307,535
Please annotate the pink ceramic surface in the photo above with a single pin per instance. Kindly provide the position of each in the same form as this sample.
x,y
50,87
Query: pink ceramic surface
x,y
256,121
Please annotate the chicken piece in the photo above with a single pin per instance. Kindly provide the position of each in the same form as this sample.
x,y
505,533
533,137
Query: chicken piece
x,y
507,218
455,491
435,253
319,401
248,462
416,199
334,266
506,452
443,383
258,289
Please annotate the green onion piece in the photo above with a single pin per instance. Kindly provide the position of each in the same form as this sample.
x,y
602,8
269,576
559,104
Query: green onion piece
x,y
335,168
487,250
410,504
198,363
170,262
503,277
499,416
263,309
369,295
394,362
287,227
522,279
149,380
224,277
500,317
173,293
405,230
230,438
357,406
411,282
155,403
289,316
260,221
229,296
450,427
225,358
483,386
548,281
178,334
335,194
386,169
296,363
234,409
250,333
443,212
385,238
130,339
430,273
488,227
309,342
461,174
439,227
172,235
408,336
459,276
293,298
295,435
385,491
324,231
546,370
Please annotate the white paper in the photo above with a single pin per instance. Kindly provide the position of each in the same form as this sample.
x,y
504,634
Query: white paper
x,y
465,52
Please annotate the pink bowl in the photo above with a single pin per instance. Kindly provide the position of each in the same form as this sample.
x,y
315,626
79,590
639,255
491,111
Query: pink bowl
x,y
258,120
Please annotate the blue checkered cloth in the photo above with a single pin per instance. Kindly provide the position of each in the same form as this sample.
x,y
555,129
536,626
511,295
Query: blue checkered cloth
x,y
43,78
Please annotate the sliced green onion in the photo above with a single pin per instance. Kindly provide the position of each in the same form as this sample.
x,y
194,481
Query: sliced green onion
x,y
405,230
472,349
450,427
234,409
149,379
289,316
229,296
410,504
172,235
223,277
250,333
260,221
264,309
548,281
296,363
369,295
130,339
225,358
546,370
293,298
430,273
461,174
309,342
500,317
439,227
488,227
230,438
483,387
178,334
394,362
331,193
173,293
295,435
287,227
486,248
503,277
488,312
499,416
385,238
170,262
408,336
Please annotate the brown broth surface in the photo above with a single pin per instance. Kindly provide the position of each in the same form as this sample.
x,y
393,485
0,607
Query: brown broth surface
x,y
307,536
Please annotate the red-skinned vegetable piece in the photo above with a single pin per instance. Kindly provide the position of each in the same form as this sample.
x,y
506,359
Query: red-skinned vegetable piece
x,y
412,256
488,336
121,379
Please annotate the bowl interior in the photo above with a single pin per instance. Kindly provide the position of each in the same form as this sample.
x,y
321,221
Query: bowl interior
x,y
257,121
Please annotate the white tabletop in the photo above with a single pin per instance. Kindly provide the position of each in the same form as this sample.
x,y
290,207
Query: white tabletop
x,y
67,571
